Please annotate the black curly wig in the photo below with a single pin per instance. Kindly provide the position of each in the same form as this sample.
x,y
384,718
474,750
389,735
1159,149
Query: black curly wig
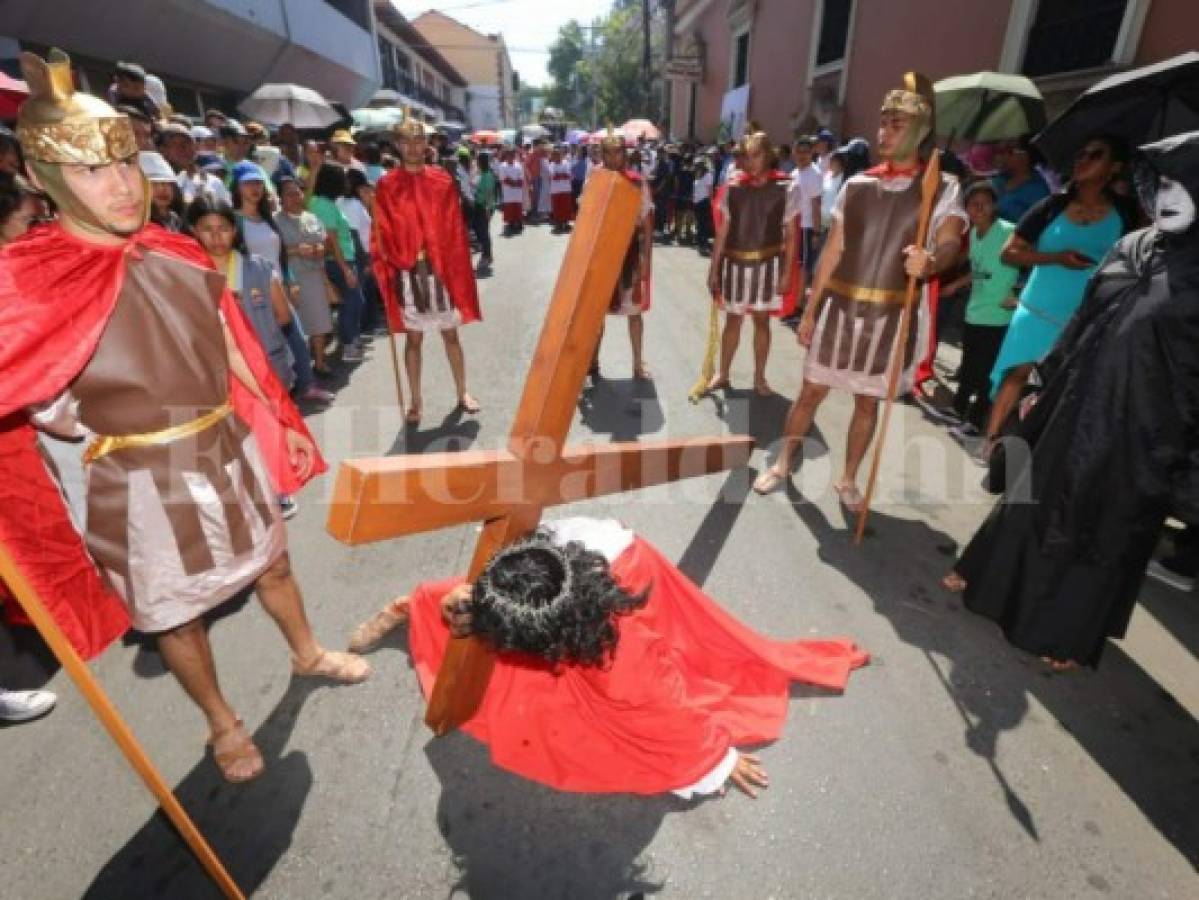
x,y
556,602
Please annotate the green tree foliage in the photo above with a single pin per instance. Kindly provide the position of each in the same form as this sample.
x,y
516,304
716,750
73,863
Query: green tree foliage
x,y
603,72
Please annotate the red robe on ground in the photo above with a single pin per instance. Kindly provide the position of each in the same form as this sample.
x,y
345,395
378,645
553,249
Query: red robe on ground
x,y
687,682
791,298
57,293
417,211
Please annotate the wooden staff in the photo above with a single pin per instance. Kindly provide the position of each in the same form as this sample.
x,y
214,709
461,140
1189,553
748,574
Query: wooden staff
x,y
928,193
120,732
395,365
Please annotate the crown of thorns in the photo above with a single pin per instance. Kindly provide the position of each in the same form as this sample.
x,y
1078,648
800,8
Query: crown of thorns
x,y
519,609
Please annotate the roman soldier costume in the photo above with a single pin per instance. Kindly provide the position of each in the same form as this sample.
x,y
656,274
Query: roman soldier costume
x,y
122,345
632,295
420,253
858,319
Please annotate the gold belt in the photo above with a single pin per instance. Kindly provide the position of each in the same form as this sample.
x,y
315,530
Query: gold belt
x,y
105,444
867,294
754,255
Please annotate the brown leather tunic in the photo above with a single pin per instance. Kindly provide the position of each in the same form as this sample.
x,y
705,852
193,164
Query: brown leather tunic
x,y
751,267
859,317
199,507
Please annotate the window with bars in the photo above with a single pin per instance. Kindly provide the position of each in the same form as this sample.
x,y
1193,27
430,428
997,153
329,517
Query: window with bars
x,y
1068,35
834,31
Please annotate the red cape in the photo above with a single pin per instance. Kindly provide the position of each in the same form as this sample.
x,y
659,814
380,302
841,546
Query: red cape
x,y
422,211
791,298
687,682
57,293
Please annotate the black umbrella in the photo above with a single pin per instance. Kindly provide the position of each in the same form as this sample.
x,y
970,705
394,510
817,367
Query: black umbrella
x,y
1140,105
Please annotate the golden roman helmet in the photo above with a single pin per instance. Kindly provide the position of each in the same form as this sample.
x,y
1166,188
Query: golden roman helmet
x,y
917,100
755,136
613,140
410,128
58,125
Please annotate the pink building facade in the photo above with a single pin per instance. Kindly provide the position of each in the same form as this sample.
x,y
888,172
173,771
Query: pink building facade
x,y
797,65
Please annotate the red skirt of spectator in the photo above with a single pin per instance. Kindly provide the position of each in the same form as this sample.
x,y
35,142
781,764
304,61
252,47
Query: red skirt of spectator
x,y
513,213
562,207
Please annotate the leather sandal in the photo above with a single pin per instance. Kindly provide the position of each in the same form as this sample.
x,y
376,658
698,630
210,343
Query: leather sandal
x,y
347,668
367,635
769,482
234,746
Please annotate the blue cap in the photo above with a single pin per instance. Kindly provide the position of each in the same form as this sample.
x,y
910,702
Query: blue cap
x,y
247,171
825,135
210,162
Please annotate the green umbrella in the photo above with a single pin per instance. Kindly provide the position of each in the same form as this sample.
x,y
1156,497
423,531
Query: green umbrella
x,y
988,106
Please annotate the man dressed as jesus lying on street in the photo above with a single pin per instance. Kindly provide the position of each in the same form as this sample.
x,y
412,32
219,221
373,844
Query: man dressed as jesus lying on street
x,y
614,672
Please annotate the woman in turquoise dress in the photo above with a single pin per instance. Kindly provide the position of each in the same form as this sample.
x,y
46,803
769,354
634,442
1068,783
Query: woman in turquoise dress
x,y
1061,241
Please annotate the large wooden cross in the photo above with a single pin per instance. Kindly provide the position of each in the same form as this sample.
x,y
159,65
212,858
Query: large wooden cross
x,y
378,499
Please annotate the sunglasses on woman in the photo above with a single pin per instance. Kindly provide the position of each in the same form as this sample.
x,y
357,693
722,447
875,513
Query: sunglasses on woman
x,y
1090,155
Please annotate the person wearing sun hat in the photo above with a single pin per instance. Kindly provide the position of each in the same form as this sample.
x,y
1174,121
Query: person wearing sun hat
x,y
166,206
343,144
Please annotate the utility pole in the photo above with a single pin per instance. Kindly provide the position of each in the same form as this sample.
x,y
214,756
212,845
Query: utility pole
x,y
646,61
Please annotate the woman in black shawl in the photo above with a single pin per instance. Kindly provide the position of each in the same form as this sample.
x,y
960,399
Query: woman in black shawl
x,y
1110,446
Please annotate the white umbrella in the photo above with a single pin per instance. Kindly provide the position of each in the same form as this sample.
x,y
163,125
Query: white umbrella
x,y
280,104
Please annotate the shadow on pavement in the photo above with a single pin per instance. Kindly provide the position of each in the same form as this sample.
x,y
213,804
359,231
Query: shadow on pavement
x,y
1133,729
625,408
249,826
514,838
762,418
709,539
454,434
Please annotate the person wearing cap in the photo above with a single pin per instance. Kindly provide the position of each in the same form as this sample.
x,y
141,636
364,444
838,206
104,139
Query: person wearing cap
x,y
166,204
342,144
126,337
422,263
143,126
822,147
235,142
206,139
851,324
214,119
128,88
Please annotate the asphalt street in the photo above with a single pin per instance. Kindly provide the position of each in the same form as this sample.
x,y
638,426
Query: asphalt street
x,y
953,766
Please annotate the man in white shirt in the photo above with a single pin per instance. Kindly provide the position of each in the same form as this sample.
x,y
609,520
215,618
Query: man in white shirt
x,y
810,185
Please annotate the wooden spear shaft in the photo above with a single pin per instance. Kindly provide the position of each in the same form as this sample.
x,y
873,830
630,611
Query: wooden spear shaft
x,y
928,193
120,732
395,367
